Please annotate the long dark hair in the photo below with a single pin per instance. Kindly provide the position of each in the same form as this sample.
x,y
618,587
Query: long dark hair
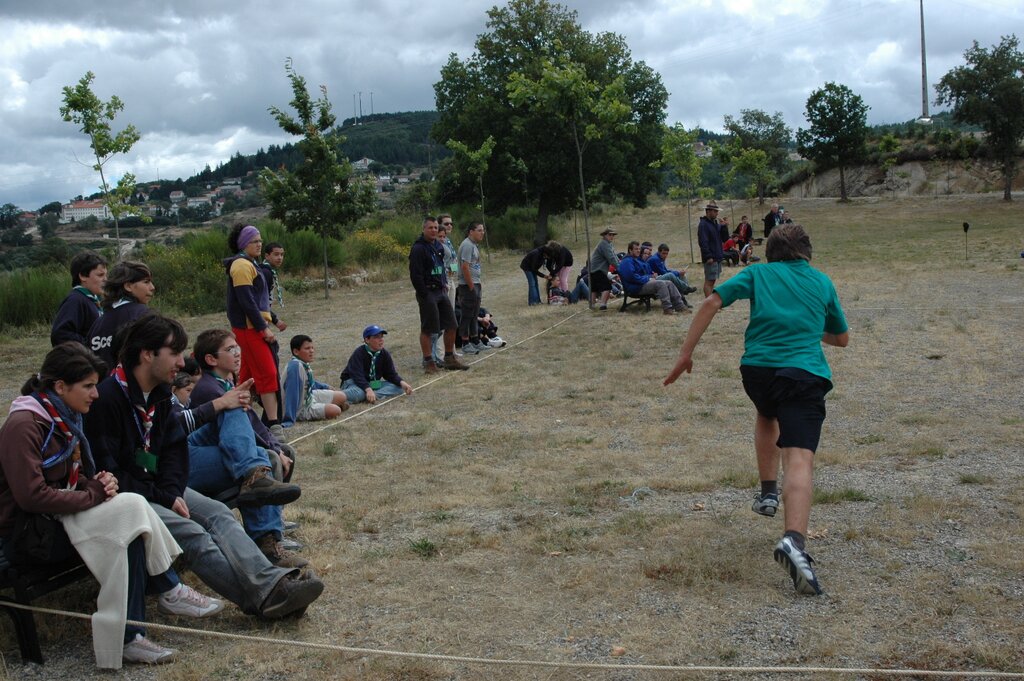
x,y
70,362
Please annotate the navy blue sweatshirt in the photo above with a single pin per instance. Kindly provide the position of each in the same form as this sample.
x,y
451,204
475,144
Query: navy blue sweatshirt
x,y
75,317
101,335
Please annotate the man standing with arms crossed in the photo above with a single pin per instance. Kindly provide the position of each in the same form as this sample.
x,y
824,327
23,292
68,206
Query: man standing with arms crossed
x,y
469,289
426,271
710,240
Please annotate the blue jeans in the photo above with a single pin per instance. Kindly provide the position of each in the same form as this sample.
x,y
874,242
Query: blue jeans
x,y
581,292
220,455
355,394
533,297
219,552
140,584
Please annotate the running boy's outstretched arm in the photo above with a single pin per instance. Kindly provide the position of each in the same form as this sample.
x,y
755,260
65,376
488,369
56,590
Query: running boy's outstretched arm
x,y
712,304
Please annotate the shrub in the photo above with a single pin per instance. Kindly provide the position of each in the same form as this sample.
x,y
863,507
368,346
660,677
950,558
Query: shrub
x,y
31,296
185,284
367,246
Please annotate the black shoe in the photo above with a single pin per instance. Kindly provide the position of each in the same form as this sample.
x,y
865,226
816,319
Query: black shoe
x,y
259,488
293,593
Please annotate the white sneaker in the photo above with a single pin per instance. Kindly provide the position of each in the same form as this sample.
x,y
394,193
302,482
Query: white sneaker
x,y
188,603
496,342
470,349
145,651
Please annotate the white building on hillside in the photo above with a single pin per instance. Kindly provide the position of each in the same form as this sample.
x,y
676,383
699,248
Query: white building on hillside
x,y
78,210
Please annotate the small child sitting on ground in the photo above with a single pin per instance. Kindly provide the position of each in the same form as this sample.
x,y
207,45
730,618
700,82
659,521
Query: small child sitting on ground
x,y
370,372
306,399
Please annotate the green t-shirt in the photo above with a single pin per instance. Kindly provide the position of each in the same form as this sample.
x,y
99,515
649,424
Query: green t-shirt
x,y
791,305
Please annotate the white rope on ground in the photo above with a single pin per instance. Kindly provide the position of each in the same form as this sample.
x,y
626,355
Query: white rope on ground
x,y
693,669
494,353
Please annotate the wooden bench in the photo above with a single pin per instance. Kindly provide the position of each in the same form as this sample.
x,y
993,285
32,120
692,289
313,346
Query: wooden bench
x,y
28,584
644,300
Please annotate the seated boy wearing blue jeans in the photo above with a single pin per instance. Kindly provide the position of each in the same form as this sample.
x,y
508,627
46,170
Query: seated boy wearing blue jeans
x,y
370,372
306,399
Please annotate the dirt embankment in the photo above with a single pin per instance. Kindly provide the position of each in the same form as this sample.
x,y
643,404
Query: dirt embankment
x,y
916,178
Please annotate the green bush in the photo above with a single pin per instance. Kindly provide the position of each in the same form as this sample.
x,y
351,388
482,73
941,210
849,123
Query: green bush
x,y
185,284
374,246
31,296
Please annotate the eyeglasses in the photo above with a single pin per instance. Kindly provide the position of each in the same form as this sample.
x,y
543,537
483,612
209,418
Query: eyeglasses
x,y
233,350
446,224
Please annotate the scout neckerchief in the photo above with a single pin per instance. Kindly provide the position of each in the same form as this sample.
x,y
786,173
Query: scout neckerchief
x,y
277,284
222,382
71,450
91,296
307,400
123,301
375,383
144,458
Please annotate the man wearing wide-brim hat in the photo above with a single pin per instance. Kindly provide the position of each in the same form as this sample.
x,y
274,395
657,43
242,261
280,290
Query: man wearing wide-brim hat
x,y
603,258
710,240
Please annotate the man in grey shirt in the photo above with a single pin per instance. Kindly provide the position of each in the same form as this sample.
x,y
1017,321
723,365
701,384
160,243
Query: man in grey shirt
x,y
468,292
603,258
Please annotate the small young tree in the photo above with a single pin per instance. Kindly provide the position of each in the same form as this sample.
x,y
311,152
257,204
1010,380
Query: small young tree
x,y
838,133
989,91
677,153
476,162
82,107
321,193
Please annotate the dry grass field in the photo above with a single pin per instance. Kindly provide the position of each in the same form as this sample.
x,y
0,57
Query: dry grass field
x,y
557,503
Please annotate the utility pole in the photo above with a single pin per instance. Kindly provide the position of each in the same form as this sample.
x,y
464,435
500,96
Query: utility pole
x,y
371,102
355,118
925,118
360,104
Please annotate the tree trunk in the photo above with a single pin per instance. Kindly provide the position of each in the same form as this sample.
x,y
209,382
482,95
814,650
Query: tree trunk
x,y
323,236
540,230
1008,173
842,185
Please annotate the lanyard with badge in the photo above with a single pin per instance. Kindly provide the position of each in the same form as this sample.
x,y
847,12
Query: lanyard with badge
x,y
144,458
375,383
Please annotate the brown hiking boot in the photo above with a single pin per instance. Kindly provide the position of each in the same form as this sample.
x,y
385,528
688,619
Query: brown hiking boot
x,y
259,488
453,363
277,555
292,595
430,368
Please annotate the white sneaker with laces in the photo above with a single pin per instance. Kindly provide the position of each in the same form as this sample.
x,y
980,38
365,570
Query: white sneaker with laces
x,y
798,564
146,652
188,603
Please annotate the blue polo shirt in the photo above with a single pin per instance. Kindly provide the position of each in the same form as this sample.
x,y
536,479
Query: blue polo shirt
x,y
791,305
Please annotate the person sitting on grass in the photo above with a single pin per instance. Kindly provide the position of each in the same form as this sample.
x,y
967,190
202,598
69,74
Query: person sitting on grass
x,y
82,307
794,308
226,453
306,399
370,373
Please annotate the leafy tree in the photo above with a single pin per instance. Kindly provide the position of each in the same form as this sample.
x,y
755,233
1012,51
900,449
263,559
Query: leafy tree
x,y
535,157
475,163
82,107
9,216
52,207
320,194
47,223
838,133
989,91
677,153
753,131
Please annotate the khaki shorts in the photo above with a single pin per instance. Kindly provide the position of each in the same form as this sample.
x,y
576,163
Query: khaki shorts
x,y
315,411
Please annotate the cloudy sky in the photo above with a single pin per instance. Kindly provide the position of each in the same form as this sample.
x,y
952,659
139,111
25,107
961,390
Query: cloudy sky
x,y
196,77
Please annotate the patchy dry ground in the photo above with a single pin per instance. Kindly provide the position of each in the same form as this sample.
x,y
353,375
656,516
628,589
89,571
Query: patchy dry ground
x,y
556,503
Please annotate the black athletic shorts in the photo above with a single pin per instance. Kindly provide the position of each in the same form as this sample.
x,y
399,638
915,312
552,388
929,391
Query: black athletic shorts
x,y
436,313
793,396
599,282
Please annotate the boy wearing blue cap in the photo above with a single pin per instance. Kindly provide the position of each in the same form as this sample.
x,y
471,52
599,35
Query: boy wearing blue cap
x,y
306,399
370,373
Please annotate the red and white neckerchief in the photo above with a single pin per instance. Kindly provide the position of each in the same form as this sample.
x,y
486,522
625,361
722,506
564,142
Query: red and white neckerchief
x,y
69,437
143,416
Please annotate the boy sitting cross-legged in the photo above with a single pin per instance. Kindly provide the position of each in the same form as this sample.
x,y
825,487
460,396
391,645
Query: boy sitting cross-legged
x,y
306,399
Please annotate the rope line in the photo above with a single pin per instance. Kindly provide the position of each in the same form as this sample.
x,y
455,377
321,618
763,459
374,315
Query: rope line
x,y
494,353
491,661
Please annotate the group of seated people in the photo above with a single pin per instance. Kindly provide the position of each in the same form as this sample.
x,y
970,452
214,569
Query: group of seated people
x,y
136,459
738,247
